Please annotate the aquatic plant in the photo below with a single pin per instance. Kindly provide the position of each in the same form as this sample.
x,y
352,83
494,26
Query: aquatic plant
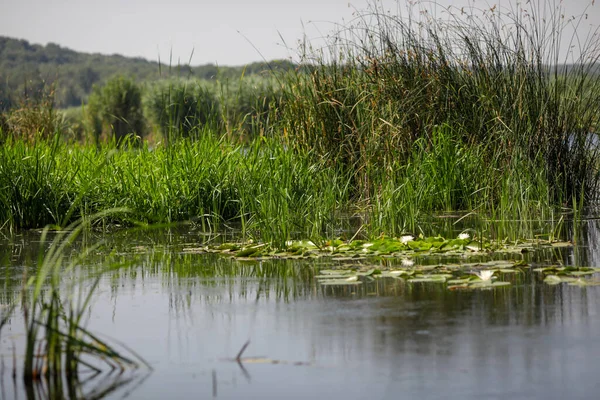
x,y
58,346
115,111
485,275
180,108
480,109
413,119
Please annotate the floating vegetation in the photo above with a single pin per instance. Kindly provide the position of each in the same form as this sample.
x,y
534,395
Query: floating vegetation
x,y
455,278
358,258
403,248
573,276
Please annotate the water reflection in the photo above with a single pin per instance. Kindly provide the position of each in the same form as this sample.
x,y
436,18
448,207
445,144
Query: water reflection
x,y
189,315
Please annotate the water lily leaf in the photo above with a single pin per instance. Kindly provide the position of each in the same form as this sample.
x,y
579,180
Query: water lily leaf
x,y
372,271
459,281
246,252
487,284
463,286
335,271
555,279
552,280
228,246
334,243
580,273
434,278
583,282
510,271
547,270
425,267
394,274
339,282
562,244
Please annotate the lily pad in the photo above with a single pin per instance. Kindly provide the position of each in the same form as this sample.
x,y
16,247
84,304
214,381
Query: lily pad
x,y
339,282
433,278
488,284
555,279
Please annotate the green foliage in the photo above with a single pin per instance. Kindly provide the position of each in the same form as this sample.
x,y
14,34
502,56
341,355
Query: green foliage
x,y
74,124
411,118
181,107
117,109
266,188
249,104
25,68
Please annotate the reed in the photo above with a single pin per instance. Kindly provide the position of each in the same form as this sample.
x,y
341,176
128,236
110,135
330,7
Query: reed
x,y
58,346
407,116
462,112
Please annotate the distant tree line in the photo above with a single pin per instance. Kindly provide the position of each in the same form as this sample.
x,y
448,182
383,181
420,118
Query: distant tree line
x,y
30,71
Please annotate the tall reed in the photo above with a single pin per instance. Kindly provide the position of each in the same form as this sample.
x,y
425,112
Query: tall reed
x,y
373,103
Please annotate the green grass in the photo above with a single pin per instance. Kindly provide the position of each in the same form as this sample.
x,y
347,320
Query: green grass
x,y
404,119
271,192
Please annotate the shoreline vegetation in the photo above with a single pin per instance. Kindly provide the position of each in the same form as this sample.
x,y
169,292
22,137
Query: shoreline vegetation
x,y
353,154
403,118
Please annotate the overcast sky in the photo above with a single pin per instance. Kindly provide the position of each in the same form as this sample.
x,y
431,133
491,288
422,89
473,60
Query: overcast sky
x,y
225,32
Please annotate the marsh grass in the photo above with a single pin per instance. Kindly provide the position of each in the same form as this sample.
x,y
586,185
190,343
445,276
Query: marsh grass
x,y
265,189
59,350
405,116
476,109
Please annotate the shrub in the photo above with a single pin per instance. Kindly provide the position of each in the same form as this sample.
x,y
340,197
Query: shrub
x,y
115,110
180,107
35,117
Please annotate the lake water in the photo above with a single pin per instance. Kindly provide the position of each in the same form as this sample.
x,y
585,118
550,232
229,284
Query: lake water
x,y
188,315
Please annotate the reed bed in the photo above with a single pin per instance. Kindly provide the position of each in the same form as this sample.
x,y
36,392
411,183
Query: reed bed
x,y
404,116
474,109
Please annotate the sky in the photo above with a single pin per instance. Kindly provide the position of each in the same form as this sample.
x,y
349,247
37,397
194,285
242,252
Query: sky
x,y
223,32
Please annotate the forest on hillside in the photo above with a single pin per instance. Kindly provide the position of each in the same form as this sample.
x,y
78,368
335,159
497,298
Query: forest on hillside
x,y
29,70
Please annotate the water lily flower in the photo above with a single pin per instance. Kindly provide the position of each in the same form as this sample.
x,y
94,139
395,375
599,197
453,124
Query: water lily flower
x,y
464,236
405,239
485,275
407,262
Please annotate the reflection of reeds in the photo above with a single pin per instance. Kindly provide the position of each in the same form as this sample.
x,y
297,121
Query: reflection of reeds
x,y
59,350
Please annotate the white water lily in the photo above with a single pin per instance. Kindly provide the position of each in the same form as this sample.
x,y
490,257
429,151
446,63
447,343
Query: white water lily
x,y
464,236
407,263
485,275
405,239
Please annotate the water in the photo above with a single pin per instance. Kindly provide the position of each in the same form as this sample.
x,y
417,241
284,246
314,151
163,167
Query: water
x,y
189,315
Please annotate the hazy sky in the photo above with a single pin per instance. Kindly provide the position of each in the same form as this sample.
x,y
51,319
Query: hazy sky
x,y
227,32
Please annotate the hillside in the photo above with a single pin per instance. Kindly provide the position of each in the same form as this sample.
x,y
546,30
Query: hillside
x,y
29,68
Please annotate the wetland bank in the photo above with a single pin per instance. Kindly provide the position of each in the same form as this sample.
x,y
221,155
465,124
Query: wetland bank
x,y
412,212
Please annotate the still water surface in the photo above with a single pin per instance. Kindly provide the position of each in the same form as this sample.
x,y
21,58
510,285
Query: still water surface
x,y
188,315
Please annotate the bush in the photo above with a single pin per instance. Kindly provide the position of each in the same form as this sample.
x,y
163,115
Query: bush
x,y
249,104
179,107
115,110
35,117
